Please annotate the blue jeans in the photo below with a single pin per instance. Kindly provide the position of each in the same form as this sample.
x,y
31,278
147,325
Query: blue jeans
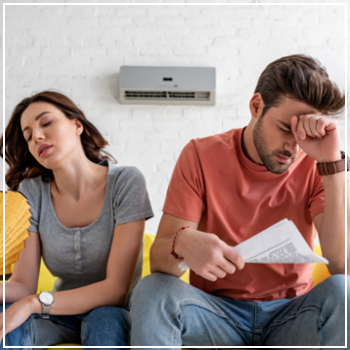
x,y
166,311
103,326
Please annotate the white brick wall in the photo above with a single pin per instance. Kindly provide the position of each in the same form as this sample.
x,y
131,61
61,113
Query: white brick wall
x,y
78,50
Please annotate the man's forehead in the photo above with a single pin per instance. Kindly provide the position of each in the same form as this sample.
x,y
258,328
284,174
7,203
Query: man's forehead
x,y
294,106
285,117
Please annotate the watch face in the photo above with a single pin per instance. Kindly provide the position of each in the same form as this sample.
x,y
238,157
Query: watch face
x,y
46,298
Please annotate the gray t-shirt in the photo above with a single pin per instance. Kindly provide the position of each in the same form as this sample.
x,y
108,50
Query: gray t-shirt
x,y
78,256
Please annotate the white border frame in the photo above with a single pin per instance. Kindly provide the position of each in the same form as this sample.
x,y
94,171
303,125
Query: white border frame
x,y
180,4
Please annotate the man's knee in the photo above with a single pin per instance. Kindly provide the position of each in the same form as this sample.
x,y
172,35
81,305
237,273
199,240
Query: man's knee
x,y
156,284
335,285
332,291
157,289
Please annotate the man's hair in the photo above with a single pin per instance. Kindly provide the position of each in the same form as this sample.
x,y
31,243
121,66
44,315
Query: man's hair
x,y
302,78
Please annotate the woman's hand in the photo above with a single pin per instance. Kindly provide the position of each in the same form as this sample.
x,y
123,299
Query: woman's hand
x,y
19,312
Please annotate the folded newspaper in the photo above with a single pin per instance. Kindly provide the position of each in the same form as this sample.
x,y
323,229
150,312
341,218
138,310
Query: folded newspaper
x,y
280,243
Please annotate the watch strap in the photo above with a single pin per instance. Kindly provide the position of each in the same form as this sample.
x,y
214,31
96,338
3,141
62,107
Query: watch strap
x,y
331,168
46,311
46,307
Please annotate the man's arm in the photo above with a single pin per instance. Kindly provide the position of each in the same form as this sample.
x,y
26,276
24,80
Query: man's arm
x,y
318,136
205,253
330,225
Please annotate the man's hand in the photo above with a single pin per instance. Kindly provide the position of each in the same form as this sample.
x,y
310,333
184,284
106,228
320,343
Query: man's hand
x,y
212,258
318,136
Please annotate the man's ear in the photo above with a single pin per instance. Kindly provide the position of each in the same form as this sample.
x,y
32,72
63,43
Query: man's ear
x,y
256,105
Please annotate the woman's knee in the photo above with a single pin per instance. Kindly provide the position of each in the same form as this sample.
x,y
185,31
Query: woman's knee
x,y
107,314
106,325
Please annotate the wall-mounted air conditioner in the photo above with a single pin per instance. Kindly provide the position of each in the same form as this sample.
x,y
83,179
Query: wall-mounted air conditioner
x,y
167,85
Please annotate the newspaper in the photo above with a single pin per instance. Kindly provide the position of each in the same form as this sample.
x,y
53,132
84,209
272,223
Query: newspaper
x,y
280,243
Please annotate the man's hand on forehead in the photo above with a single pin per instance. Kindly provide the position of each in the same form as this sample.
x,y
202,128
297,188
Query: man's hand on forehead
x,y
315,125
318,136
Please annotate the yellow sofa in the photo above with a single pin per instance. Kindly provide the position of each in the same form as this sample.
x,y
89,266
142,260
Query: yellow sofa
x,y
46,280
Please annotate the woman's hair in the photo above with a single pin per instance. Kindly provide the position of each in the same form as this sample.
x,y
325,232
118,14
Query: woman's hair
x,y
302,78
21,162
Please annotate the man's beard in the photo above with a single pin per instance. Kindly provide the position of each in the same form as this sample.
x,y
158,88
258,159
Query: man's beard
x,y
267,158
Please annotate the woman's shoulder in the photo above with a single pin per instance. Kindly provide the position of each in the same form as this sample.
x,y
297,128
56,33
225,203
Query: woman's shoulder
x,y
127,180
130,197
32,190
30,186
125,173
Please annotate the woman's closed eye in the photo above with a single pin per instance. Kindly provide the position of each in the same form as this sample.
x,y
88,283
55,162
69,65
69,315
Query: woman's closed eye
x,y
28,138
47,123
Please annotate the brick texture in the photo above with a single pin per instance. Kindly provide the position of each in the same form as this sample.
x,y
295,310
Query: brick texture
x,y
78,50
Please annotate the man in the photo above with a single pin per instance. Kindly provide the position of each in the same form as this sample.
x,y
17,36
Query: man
x,y
228,187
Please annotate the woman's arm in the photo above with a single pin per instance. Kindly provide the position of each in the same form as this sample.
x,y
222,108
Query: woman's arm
x,y
113,290
24,279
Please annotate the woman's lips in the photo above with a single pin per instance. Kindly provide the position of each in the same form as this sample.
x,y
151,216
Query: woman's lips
x,y
45,151
282,159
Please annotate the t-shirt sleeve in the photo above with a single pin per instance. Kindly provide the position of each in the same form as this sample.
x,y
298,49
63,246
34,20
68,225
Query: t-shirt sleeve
x,y
30,188
186,192
130,201
316,201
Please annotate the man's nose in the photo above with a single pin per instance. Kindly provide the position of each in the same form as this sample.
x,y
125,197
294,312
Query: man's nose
x,y
291,145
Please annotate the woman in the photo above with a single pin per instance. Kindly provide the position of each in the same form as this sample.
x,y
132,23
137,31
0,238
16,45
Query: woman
x,y
87,222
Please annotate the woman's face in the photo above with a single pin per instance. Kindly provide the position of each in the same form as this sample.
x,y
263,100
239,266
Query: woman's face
x,y
52,138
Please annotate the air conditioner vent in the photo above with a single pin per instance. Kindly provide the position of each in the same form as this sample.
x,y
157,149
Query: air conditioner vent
x,y
167,85
165,95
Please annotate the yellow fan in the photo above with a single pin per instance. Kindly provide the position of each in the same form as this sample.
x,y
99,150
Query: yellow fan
x,y
17,222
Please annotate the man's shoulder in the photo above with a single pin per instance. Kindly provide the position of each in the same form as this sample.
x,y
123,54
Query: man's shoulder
x,y
223,140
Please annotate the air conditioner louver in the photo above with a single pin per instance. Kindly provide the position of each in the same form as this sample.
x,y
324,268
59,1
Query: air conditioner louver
x,y
167,85
164,95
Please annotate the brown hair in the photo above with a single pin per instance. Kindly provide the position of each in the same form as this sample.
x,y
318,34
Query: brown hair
x,y
21,162
302,78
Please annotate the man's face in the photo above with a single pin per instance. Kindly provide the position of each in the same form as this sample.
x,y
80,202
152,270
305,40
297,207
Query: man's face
x,y
273,138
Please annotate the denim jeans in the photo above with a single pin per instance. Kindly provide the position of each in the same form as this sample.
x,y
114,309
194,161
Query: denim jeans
x,y
166,311
103,326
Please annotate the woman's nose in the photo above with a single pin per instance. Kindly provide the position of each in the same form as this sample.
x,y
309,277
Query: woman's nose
x,y
37,136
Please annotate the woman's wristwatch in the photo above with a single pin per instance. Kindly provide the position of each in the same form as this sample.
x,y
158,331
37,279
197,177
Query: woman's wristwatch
x,y
46,299
333,167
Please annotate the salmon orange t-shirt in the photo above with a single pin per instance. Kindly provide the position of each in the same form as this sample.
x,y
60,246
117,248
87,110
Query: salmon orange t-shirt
x,y
216,185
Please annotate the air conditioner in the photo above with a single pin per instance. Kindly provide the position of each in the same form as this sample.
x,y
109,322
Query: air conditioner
x,y
167,85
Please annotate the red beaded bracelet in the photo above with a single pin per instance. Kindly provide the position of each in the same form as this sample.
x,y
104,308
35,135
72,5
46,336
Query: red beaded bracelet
x,y
173,245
